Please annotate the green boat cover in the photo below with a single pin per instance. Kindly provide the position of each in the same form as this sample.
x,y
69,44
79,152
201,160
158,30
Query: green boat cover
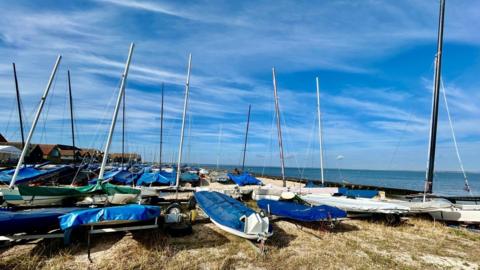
x,y
107,188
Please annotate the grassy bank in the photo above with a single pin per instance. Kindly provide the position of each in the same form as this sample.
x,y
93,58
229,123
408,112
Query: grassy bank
x,y
360,244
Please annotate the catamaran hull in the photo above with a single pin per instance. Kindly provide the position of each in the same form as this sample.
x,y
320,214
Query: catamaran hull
x,y
455,214
358,205
272,193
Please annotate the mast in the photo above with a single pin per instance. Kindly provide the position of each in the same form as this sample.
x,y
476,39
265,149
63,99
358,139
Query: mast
x,y
115,113
18,104
185,104
161,131
123,129
279,128
71,116
219,145
35,121
246,138
320,135
436,94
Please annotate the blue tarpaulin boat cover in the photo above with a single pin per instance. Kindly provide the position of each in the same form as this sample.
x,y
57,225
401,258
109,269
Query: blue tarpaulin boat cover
x,y
27,174
119,176
30,221
300,212
162,178
358,193
131,212
189,177
223,209
244,179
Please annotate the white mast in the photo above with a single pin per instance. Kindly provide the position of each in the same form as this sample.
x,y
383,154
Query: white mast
x,y
34,124
320,136
185,104
279,128
115,113
219,145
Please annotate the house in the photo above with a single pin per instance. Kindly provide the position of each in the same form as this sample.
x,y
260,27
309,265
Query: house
x,y
2,139
127,157
68,153
91,153
51,152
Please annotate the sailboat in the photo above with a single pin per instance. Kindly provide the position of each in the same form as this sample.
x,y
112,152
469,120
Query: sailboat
x,y
441,208
275,193
54,195
352,205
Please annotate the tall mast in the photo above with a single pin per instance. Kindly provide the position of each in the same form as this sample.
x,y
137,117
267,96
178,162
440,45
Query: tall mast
x,y
18,104
123,129
34,123
71,116
279,128
219,145
436,94
115,113
320,135
246,138
161,131
185,104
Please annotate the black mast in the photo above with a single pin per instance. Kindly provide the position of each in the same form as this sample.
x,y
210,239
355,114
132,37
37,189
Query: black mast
x,y
71,117
436,94
18,104
246,137
161,132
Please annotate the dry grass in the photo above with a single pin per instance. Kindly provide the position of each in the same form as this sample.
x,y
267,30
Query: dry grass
x,y
359,244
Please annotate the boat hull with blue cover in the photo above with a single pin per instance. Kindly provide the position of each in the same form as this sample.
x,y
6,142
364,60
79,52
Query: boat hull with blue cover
x,y
158,178
244,179
32,220
300,212
189,177
232,216
109,215
28,174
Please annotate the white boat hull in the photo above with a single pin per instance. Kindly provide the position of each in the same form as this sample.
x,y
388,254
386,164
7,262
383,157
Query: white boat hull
x,y
249,236
457,214
13,197
357,205
275,193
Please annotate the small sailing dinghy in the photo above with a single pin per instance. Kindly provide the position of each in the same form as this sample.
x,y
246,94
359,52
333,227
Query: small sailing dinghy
x,y
39,220
232,216
129,213
301,212
356,205
244,179
275,193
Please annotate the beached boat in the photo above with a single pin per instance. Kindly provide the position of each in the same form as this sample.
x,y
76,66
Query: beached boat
x,y
301,212
244,179
31,221
232,216
275,193
356,205
109,216
437,208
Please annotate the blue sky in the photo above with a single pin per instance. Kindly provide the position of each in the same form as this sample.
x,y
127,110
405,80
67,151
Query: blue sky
x,y
374,59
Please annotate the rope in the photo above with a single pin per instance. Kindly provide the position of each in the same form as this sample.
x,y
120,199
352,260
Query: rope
x,y
467,186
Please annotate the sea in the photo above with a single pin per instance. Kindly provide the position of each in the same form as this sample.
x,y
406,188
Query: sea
x,y
444,183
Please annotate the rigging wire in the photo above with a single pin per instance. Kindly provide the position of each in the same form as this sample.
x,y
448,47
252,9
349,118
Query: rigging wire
x,y
457,151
